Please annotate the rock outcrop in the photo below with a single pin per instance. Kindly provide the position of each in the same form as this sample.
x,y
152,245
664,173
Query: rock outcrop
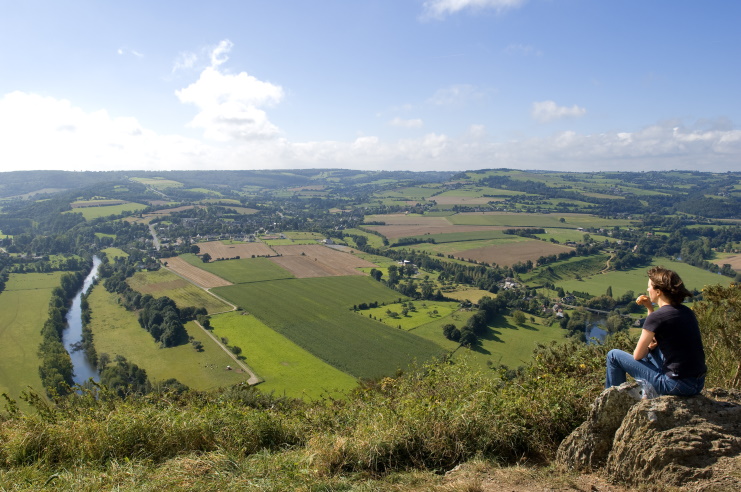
x,y
668,440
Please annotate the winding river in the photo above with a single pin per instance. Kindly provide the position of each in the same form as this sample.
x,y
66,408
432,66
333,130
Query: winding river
x,y
72,336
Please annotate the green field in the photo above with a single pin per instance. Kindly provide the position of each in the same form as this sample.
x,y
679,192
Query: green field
x,y
635,280
241,271
95,212
164,283
117,332
321,321
424,313
115,253
286,368
158,183
24,307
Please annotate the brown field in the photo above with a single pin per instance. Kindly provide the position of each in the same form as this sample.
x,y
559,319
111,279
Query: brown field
x,y
403,219
509,254
734,261
397,231
318,261
401,225
202,278
217,249
464,200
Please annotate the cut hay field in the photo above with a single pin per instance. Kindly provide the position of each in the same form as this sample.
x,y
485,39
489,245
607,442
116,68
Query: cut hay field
x,y
24,307
165,283
194,274
286,368
240,271
635,280
431,226
458,249
117,332
321,320
732,259
512,252
314,260
463,200
509,219
218,249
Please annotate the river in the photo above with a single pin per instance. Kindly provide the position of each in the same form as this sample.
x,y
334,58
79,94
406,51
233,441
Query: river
x,y
72,335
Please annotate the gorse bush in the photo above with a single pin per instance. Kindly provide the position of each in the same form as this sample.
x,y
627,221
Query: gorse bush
x,y
719,315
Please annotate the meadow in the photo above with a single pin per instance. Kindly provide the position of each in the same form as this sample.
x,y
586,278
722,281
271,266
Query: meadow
x,y
286,368
158,183
321,321
116,331
115,253
164,283
24,307
95,212
635,280
241,271
424,312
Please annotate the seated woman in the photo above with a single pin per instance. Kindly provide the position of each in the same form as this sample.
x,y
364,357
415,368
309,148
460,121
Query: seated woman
x,y
669,355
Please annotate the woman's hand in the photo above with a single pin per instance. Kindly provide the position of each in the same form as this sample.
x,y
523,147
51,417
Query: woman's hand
x,y
643,300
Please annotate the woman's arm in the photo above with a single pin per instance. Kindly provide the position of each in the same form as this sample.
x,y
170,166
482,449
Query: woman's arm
x,y
645,343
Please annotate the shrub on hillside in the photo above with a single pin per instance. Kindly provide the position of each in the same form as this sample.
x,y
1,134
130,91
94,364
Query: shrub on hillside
x,y
719,315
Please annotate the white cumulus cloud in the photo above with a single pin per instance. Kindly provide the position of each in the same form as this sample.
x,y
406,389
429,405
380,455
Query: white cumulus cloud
x,y
230,104
410,123
438,9
545,111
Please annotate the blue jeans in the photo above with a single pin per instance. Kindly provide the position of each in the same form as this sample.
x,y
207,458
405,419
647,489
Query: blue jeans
x,y
649,368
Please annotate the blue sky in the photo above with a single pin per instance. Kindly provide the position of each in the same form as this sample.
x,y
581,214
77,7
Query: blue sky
x,y
575,85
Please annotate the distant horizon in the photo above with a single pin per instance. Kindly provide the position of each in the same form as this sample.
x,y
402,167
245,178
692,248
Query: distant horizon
x,y
412,85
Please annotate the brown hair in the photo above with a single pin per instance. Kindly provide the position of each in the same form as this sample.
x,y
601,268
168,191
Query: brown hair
x,y
669,283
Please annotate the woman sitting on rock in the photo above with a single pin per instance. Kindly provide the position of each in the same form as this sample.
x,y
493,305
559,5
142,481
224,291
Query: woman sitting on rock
x,y
669,355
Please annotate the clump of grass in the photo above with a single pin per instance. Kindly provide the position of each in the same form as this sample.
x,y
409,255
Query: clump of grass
x,y
98,428
447,413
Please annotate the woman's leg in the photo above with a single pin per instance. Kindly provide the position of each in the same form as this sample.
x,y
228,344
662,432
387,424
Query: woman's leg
x,y
620,363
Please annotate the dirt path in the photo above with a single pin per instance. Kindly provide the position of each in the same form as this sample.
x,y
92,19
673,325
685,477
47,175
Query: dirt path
x,y
254,378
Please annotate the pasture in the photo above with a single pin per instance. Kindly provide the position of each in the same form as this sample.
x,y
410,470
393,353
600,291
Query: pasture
x,y
424,312
90,213
24,307
286,368
115,253
635,280
158,183
321,321
240,271
116,331
165,283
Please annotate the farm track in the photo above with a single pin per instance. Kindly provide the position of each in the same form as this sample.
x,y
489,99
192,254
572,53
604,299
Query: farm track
x,y
254,378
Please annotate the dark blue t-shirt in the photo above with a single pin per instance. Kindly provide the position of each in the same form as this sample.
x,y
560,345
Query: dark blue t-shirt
x,y
678,335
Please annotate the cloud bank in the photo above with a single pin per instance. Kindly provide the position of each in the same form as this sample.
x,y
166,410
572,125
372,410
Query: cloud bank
x,y
46,133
